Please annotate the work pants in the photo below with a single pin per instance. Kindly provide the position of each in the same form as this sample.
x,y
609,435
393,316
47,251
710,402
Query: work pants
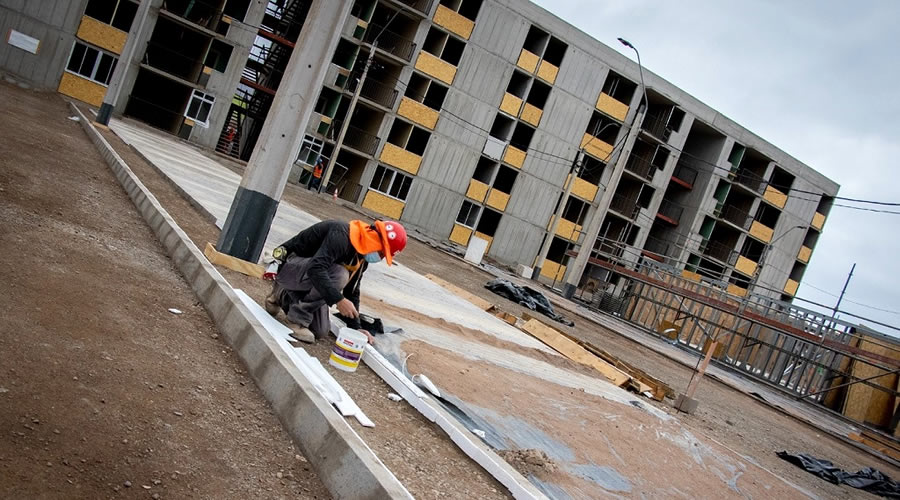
x,y
300,300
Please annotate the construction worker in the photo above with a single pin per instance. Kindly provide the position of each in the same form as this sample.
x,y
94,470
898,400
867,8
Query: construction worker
x,y
323,266
317,175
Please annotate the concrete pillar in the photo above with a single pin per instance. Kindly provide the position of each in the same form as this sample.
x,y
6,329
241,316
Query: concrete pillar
x,y
574,271
128,65
254,205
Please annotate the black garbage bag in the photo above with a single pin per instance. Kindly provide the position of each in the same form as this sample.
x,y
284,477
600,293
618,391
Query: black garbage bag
x,y
371,324
872,480
528,297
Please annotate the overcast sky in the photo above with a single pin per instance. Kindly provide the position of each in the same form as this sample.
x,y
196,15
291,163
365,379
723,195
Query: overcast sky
x,y
818,79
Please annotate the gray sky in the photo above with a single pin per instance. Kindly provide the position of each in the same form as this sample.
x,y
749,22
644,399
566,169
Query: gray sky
x,y
817,79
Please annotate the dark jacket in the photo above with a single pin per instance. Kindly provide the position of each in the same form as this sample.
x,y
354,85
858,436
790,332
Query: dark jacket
x,y
328,243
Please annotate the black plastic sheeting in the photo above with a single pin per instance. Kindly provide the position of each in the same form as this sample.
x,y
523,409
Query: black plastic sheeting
x,y
528,297
868,479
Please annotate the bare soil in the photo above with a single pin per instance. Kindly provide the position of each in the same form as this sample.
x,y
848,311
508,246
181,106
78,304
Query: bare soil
x,y
103,392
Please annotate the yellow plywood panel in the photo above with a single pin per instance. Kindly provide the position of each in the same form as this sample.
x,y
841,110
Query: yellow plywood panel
x,y
775,197
571,350
477,190
433,66
527,61
326,119
584,189
736,290
804,254
745,265
553,270
596,147
612,107
761,232
460,234
690,275
568,229
548,72
511,104
532,114
385,205
453,22
514,156
82,89
818,221
418,112
102,35
498,200
790,287
400,158
867,403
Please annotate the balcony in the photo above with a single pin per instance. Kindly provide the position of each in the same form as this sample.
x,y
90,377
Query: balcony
x,y
433,66
790,287
611,107
804,254
390,42
379,93
684,175
358,139
418,113
736,216
547,72
584,189
532,114
818,221
657,249
657,127
568,230
423,6
750,180
477,190
640,167
716,250
626,207
596,147
670,212
528,61
745,266
514,156
511,104
498,200
453,22
775,197
396,156
761,232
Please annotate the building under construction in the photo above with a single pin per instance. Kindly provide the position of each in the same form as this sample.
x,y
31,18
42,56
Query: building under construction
x,y
468,125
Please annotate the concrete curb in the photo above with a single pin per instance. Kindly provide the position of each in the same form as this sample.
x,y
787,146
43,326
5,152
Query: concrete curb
x,y
343,461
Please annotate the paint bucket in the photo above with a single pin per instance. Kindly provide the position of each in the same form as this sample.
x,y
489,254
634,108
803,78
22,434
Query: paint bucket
x,y
348,349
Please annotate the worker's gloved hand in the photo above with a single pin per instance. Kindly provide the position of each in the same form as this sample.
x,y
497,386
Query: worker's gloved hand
x,y
347,309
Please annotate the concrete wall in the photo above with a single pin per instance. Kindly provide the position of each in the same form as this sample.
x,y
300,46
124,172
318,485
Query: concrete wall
x,y
54,23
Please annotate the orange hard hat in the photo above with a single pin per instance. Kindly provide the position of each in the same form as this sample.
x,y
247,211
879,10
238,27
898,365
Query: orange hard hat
x,y
393,235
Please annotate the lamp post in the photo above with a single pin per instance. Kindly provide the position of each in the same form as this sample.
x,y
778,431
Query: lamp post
x,y
640,68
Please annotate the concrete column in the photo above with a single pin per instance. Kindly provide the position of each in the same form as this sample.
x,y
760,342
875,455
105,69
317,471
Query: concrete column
x,y
127,67
574,271
254,205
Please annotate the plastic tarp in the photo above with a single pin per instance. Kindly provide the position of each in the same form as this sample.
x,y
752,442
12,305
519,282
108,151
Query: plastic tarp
x,y
526,296
872,480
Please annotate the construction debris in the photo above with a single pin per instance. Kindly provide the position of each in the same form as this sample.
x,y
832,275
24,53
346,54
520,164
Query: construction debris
x,y
868,479
528,297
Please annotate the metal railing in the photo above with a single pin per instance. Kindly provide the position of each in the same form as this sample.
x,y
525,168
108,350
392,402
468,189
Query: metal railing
x,y
735,216
685,173
357,139
670,210
200,13
625,206
377,92
423,6
390,42
751,180
716,250
657,126
657,246
172,62
640,166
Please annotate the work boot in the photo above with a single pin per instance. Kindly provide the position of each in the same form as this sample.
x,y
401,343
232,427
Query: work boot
x,y
302,334
271,303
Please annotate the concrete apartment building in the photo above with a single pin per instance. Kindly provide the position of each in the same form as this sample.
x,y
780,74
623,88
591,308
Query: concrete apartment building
x,y
467,126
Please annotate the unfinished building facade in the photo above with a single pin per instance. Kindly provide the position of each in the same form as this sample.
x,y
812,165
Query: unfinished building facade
x,y
467,126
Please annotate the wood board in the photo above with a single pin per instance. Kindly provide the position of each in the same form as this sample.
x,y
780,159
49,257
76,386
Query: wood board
x,y
233,263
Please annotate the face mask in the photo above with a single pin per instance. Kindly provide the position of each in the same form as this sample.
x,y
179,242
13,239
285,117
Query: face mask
x,y
372,257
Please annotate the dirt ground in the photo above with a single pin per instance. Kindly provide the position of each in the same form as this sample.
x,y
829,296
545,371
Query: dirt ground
x,y
103,392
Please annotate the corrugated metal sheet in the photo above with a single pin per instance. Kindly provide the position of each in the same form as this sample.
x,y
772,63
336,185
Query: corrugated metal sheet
x,y
431,208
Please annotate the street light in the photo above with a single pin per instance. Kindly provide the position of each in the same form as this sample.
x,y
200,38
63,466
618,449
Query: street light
x,y
640,68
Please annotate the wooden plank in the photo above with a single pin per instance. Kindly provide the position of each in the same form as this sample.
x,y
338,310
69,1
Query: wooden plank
x,y
235,264
865,403
573,351
875,444
482,304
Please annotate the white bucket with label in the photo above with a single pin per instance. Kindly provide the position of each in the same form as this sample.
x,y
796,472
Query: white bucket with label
x,y
348,349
